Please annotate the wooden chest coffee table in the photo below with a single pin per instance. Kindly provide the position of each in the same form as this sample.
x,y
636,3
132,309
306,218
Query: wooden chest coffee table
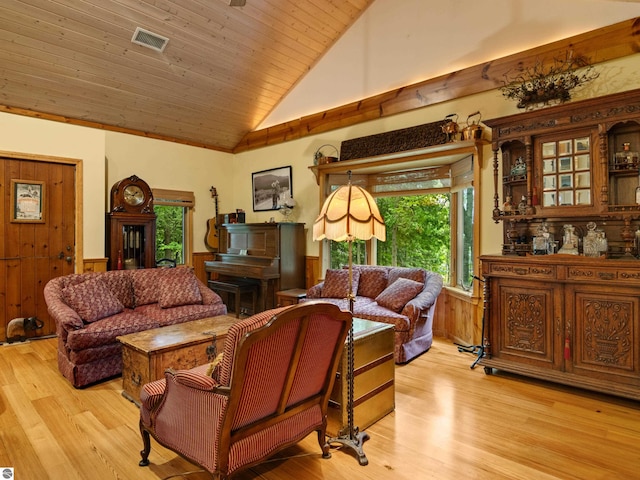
x,y
374,377
146,355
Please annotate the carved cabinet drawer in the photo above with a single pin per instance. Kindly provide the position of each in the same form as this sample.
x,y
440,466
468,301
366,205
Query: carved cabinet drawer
x,y
600,275
507,269
629,276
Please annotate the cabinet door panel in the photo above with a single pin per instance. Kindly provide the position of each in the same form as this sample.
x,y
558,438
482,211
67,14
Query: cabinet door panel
x,y
606,337
526,331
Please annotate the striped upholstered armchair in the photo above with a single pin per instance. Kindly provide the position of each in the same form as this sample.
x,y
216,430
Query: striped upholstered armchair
x,y
269,391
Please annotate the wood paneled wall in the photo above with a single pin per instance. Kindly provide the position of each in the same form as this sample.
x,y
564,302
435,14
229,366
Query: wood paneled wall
x,y
95,265
197,260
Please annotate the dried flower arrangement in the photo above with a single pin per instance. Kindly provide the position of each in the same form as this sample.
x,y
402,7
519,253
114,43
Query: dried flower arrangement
x,y
539,85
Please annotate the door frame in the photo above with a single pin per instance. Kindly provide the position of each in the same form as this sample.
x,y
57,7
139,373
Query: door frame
x,y
77,163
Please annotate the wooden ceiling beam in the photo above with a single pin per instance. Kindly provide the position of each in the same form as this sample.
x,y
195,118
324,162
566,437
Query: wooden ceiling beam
x,y
601,45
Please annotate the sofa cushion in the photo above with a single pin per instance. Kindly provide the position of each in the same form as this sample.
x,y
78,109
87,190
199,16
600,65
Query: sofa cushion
x,y
108,329
181,314
336,283
373,280
415,274
372,311
367,308
178,288
396,295
92,300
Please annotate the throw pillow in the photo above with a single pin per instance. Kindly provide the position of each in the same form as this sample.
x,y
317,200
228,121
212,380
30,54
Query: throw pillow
x,y
212,371
145,283
396,295
178,286
373,280
92,300
120,284
336,283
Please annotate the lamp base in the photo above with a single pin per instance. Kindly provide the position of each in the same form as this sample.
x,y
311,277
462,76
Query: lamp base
x,y
353,442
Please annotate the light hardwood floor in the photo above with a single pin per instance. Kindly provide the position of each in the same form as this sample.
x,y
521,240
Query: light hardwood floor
x,y
450,422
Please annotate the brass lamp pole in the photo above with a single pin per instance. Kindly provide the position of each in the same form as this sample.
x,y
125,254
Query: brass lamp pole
x,y
348,214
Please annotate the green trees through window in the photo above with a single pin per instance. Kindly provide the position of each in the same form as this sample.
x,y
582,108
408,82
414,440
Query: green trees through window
x,y
170,232
418,232
418,235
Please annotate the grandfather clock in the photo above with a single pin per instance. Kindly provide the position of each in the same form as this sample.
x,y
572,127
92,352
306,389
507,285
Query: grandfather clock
x,y
131,225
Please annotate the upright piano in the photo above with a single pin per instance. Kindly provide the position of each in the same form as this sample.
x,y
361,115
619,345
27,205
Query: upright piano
x,y
272,254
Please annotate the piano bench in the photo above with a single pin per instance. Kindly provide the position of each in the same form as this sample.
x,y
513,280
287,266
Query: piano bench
x,y
237,288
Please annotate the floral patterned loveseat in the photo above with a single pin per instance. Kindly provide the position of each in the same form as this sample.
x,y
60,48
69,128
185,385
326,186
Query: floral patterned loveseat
x,y
403,297
92,309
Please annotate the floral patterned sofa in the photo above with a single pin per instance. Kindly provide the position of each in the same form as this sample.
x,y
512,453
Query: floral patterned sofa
x,y
403,297
92,309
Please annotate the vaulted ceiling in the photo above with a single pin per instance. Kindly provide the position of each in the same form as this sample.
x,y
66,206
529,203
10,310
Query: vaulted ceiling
x,y
222,72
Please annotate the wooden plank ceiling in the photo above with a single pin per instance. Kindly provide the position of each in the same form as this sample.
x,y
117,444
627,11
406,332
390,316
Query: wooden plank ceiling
x,y
222,71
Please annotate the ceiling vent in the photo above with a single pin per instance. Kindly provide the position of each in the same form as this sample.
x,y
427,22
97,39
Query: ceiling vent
x,y
149,39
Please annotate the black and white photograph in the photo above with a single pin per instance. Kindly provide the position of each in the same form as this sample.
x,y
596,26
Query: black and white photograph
x,y
271,188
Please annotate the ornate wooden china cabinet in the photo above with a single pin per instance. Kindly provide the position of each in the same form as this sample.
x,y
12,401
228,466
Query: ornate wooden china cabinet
x,y
131,225
563,296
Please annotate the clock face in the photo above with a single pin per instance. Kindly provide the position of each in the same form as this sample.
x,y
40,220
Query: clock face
x,y
133,195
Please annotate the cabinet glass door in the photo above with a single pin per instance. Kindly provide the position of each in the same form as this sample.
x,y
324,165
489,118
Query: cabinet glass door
x,y
566,172
133,246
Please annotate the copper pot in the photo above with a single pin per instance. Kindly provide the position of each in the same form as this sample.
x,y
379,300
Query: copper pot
x,y
473,131
451,126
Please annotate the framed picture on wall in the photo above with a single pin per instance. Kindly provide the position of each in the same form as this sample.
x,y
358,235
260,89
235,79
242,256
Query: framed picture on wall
x,y
271,188
27,201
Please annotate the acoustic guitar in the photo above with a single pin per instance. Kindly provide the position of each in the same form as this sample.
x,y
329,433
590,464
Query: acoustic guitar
x,y
212,240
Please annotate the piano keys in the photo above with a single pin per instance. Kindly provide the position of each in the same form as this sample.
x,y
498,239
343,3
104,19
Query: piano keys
x,y
272,254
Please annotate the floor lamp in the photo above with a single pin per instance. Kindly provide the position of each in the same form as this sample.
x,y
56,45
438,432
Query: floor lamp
x,y
350,213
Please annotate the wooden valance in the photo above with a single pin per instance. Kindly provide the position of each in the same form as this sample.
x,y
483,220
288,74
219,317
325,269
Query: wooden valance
x,y
411,138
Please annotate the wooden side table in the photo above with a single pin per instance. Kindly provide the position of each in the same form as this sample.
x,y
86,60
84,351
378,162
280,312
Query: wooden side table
x,y
290,297
374,378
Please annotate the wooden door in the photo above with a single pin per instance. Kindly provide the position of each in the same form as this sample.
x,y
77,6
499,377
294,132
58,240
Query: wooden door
x,y
32,251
